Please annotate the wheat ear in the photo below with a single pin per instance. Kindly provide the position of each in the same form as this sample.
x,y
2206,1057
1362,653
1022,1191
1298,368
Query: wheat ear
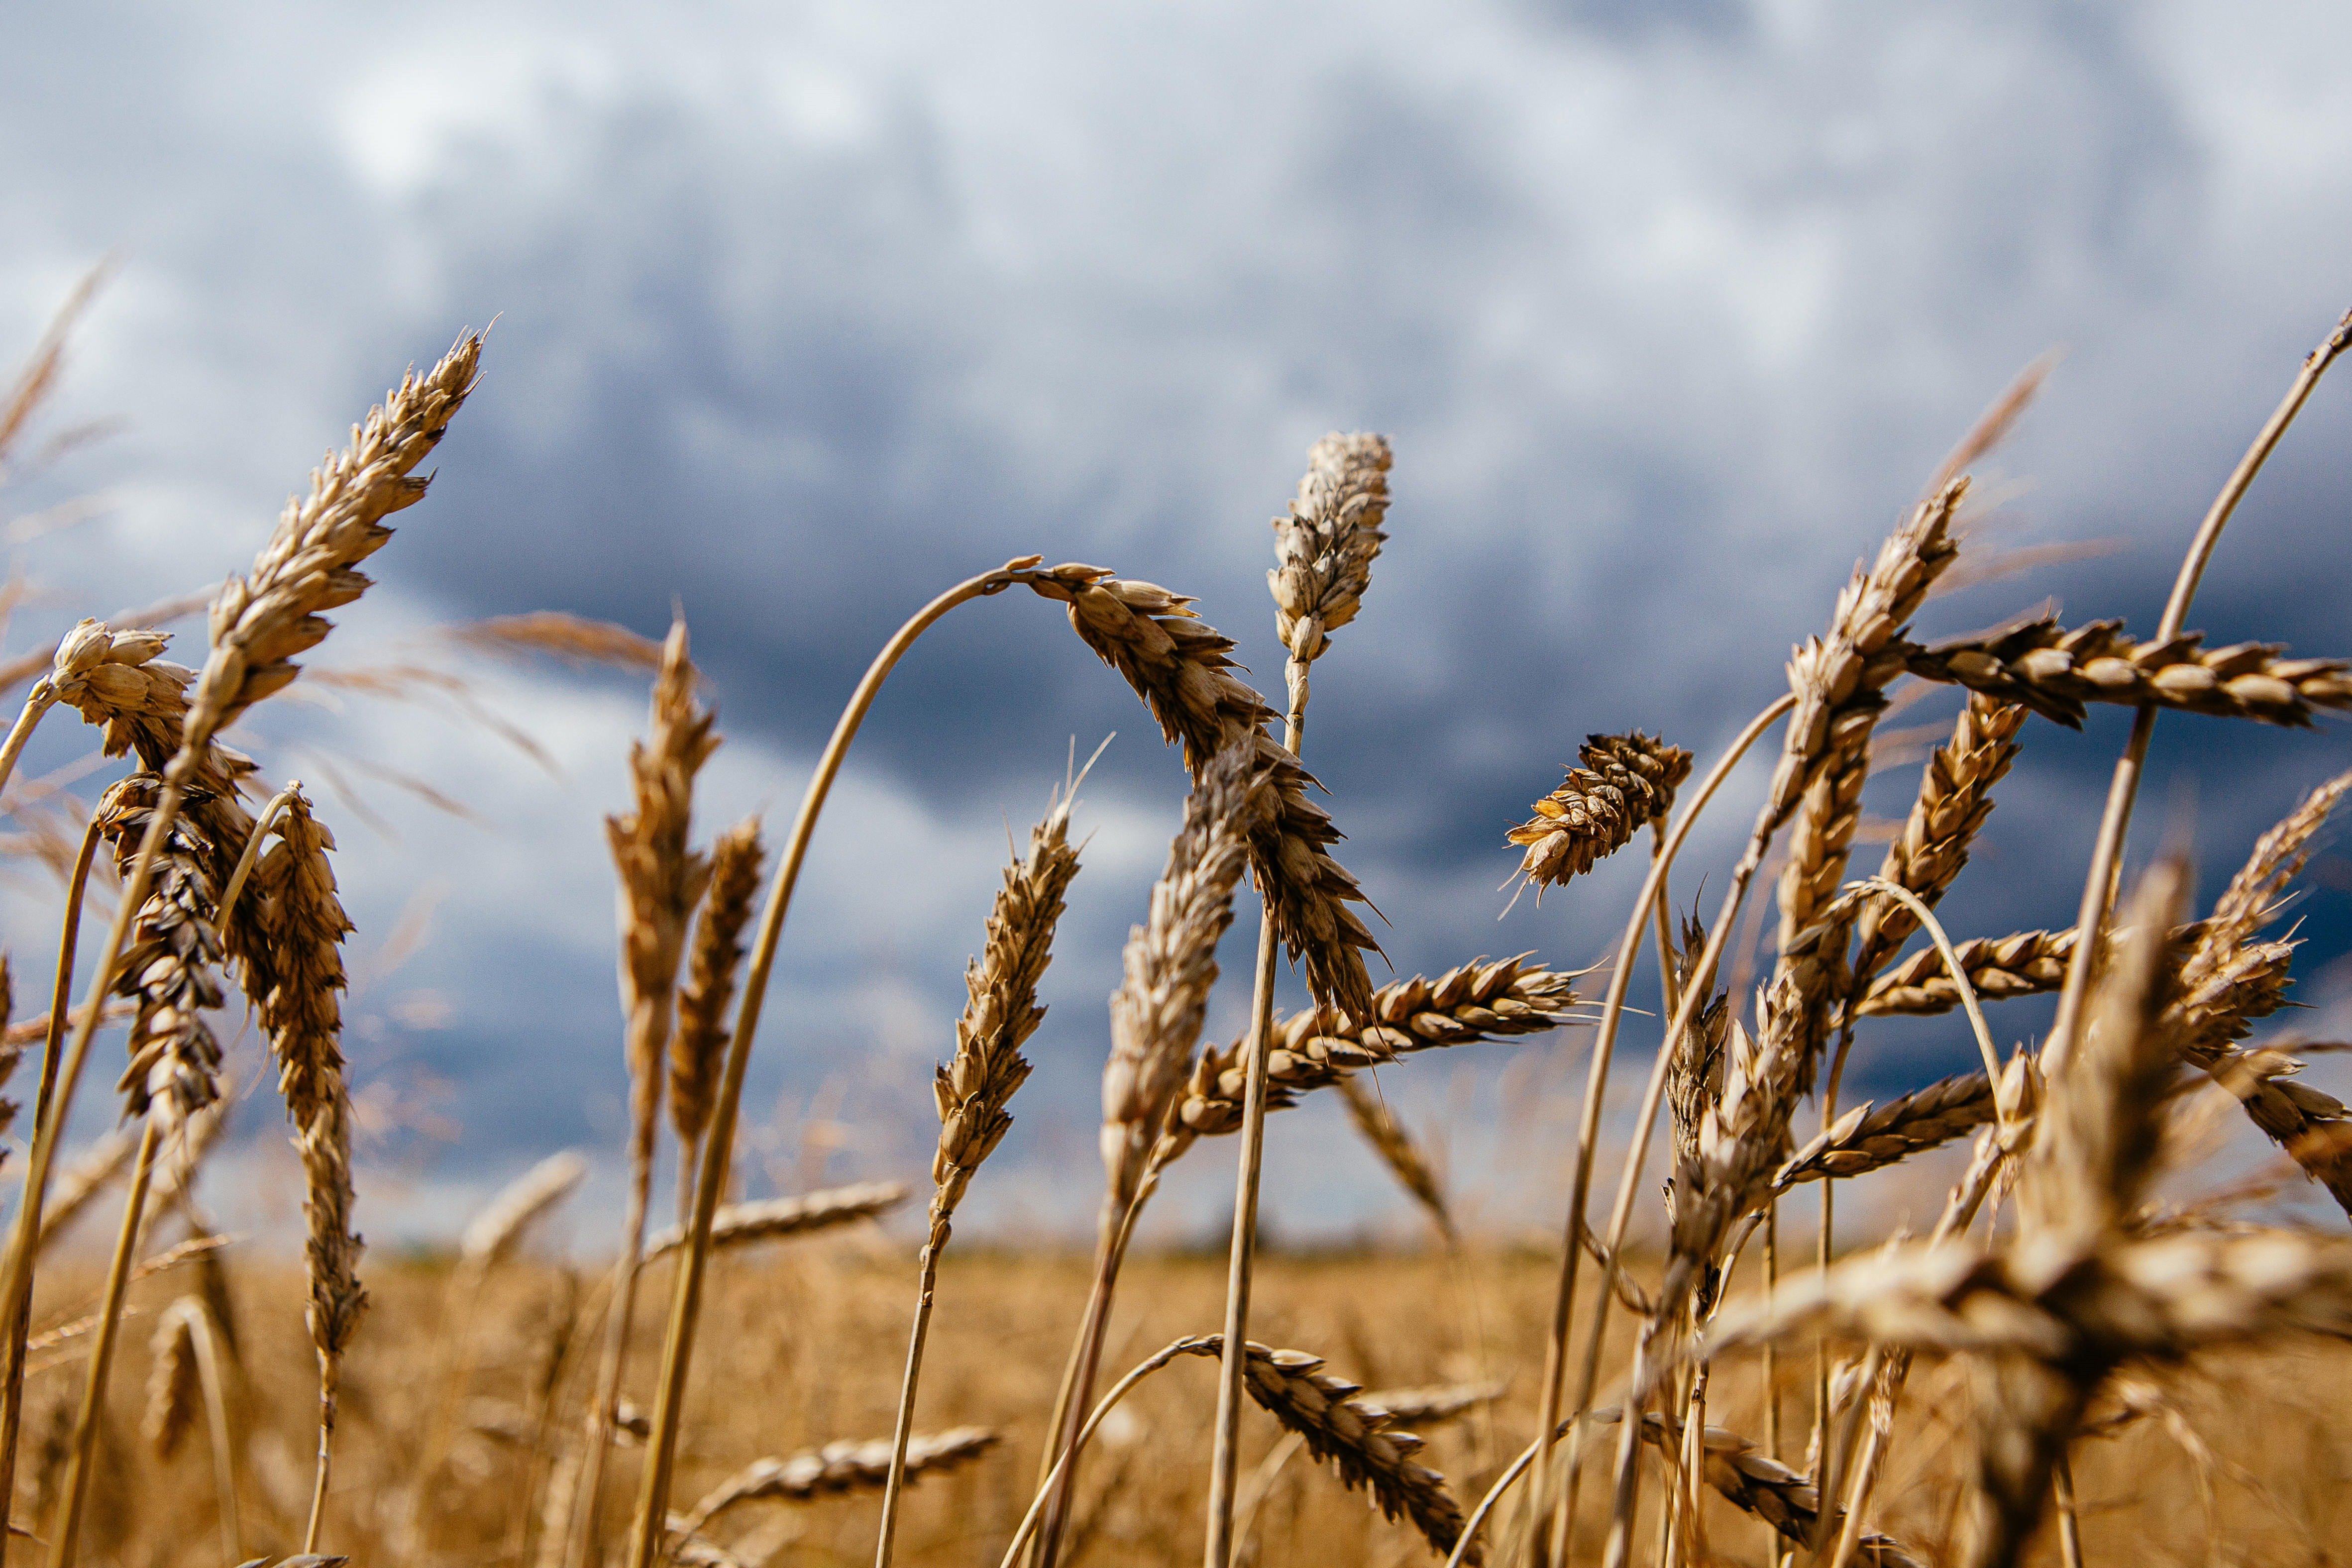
x,y
1398,1150
780,1218
186,1377
2043,667
1625,782
973,1089
836,1468
698,1050
1168,969
661,882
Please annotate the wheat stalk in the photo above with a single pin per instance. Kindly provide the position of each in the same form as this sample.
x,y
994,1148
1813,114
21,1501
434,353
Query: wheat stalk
x,y
1168,968
1000,1012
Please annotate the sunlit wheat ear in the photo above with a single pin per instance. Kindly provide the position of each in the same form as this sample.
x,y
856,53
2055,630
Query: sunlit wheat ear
x,y
2056,672
1625,783
780,1218
832,1471
1170,965
1954,801
574,639
1872,1137
1181,670
1323,548
169,968
2030,963
260,621
698,1050
1315,1048
175,1390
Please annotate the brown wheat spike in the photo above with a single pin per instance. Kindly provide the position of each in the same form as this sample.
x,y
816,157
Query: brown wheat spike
x,y
1756,1483
175,1385
1439,1403
1394,1144
1695,1073
698,1050
1310,1050
833,1469
1625,783
2056,672
776,1219
494,1232
1181,670
261,621
661,880
1356,1438
1840,682
1955,798
1170,965
303,1018
1000,1012
2027,963
1868,1138
168,968
1323,548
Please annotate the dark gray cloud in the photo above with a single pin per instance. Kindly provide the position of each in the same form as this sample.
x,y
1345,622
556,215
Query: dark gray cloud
x,y
804,314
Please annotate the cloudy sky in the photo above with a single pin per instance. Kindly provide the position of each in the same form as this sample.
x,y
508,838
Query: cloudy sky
x,y
804,311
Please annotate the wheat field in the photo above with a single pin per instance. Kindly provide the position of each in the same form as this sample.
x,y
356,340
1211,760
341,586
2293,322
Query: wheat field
x,y
2105,1347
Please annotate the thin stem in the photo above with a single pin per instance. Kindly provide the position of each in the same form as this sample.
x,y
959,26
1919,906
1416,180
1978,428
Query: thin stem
x,y
1959,973
904,1427
2115,823
1069,1455
718,1141
1771,1267
20,1319
1110,1256
2070,1531
330,1377
67,1524
1224,1457
1597,1082
208,1368
581,1543
37,702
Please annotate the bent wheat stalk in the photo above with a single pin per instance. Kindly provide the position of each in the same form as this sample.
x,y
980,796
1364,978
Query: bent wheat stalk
x,y
719,1142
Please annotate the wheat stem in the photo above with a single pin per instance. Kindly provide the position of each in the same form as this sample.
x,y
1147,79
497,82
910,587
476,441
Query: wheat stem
x,y
2114,822
719,1142
224,1445
19,1317
66,1526
245,862
1596,1085
37,702
330,1377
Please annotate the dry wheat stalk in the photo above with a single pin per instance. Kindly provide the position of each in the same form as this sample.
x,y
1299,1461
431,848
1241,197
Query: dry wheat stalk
x,y
1168,968
2028,963
661,880
2055,672
698,1050
1323,548
1181,669
1953,800
1869,1138
1394,1144
973,1090
837,1468
1625,782
77,1185
777,1218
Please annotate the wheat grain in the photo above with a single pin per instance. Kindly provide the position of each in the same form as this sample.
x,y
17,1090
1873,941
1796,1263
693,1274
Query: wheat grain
x,y
1868,1138
1625,782
2056,672
168,969
1323,548
778,1219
